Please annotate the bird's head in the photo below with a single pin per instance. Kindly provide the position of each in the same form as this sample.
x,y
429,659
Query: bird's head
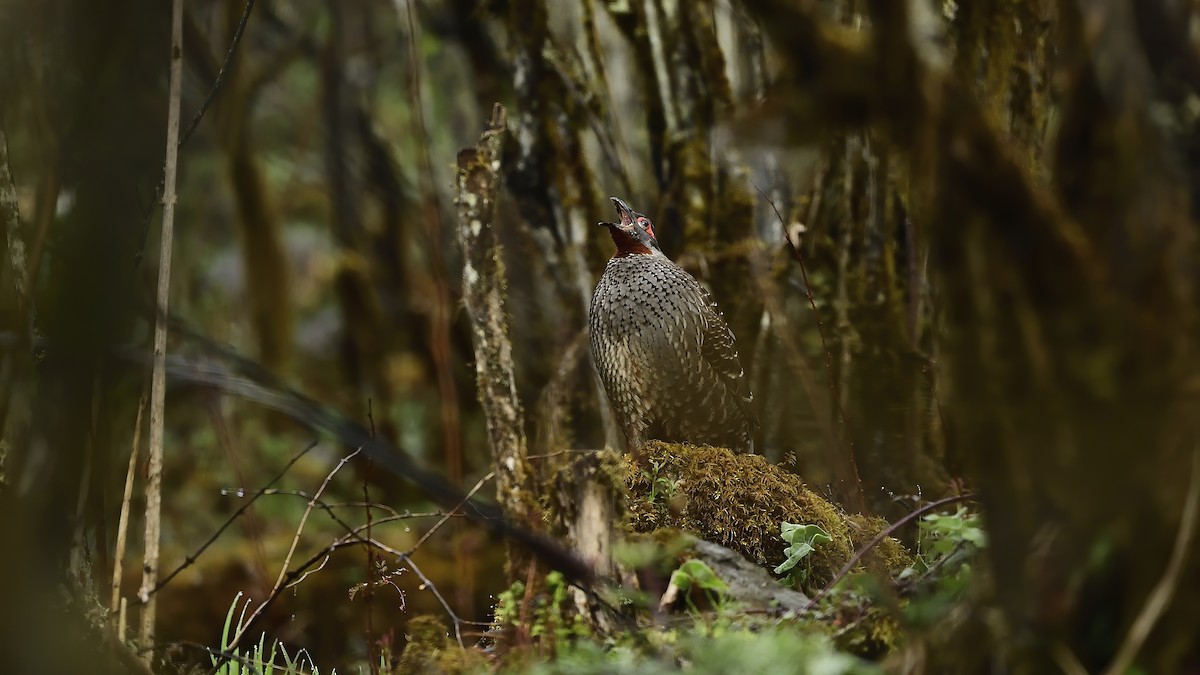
x,y
634,235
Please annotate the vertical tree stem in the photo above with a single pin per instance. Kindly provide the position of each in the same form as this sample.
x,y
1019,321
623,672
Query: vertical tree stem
x,y
158,378
484,296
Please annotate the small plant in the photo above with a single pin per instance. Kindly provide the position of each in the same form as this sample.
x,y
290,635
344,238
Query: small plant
x,y
553,616
802,540
508,604
942,534
947,541
257,660
659,485
697,574
550,616
942,572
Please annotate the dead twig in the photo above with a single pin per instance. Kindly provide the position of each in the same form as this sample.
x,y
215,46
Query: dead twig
x,y
353,537
251,523
345,505
287,560
370,562
251,382
478,484
433,589
126,499
439,325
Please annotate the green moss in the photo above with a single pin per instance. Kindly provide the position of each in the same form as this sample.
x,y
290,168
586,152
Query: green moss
x,y
430,650
872,635
739,501
890,553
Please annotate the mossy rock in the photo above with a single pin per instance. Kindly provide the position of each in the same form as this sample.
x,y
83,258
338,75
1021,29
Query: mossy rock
x,y
739,501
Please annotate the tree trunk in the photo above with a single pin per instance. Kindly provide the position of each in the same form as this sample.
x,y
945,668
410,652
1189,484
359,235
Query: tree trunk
x,y
484,295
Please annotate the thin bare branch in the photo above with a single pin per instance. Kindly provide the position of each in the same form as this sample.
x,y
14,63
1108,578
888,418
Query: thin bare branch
x,y
353,537
437,594
348,505
212,93
126,500
229,521
439,325
283,569
265,389
478,484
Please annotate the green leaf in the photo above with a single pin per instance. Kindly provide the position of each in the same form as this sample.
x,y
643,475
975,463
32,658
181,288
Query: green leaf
x,y
698,573
803,540
943,533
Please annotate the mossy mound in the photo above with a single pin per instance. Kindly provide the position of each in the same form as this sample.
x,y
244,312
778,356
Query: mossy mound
x,y
430,650
739,501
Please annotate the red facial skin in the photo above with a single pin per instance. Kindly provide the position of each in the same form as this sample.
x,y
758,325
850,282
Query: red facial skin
x,y
644,222
627,234
626,243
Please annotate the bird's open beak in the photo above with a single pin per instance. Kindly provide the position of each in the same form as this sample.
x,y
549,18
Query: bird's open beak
x,y
623,210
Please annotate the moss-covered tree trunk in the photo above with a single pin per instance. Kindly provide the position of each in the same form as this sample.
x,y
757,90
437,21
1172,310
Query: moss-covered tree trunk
x,y
1070,318
479,171
102,73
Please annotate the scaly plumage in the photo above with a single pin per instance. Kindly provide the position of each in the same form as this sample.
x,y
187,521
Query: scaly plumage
x,y
666,358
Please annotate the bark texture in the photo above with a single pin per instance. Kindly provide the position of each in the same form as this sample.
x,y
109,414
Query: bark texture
x,y
483,285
